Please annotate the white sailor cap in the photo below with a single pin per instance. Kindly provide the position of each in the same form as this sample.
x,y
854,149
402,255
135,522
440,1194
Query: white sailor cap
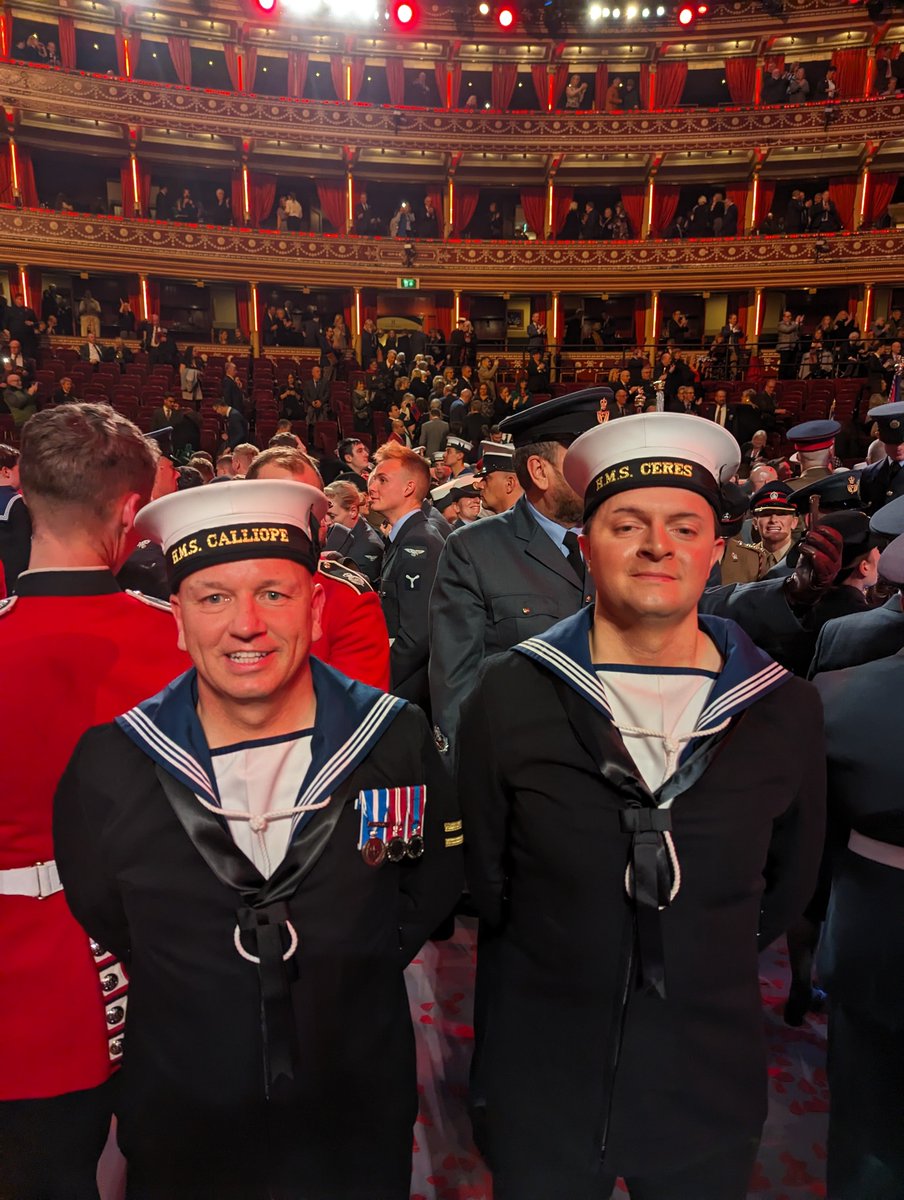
x,y
442,496
652,450
459,443
247,518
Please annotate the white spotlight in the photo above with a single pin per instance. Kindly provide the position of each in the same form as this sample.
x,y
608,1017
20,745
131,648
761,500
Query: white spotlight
x,y
595,12
606,13
645,12
660,11
616,12
631,12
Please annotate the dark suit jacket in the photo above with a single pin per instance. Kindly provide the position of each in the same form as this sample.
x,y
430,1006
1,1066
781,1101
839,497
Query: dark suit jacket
x,y
362,544
409,567
233,394
311,391
236,428
146,334
84,352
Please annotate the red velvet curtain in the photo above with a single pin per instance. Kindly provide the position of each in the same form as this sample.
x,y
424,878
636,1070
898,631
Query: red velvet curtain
x,y
465,206
6,178
632,199
540,76
237,199
435,195
67,41
665,205
27,187
560,79
640,320
740,76
503,80
332,202
249,67
602,83
395,80
843,192
670,80
561,202
298,71
850,68
6,33
764,197
337,74
444,315
153,292
261,194
180,53
880,187
440,72
358,68
128,191
533,201
133,37
644,86
738,195
242,309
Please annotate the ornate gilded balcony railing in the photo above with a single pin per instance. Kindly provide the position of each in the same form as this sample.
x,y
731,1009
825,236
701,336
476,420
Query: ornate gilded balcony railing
x,y
133,102
88,243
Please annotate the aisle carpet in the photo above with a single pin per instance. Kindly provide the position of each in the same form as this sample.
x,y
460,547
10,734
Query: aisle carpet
x,y
791,1164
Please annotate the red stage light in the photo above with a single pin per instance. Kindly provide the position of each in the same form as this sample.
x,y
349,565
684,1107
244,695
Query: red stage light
x,y
685,15
404,13
506,17
266,6
702,10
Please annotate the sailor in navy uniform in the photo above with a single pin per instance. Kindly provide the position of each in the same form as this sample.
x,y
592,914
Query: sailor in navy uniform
x,y
883,481
285,844
657,793
506,578
861,957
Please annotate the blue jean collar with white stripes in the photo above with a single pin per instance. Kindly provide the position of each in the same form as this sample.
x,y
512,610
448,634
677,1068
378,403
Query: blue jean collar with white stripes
x,y
747,674
350,719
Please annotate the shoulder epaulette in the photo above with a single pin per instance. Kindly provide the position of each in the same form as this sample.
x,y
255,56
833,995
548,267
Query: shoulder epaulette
x,y
6,606
338,569
752,546
151,601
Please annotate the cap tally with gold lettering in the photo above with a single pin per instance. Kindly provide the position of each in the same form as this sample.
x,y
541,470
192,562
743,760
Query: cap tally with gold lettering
x,y
652,450
248,518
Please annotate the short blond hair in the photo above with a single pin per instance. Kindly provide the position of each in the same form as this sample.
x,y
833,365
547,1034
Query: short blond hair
x,y
346,495
245,452
410,461
294,461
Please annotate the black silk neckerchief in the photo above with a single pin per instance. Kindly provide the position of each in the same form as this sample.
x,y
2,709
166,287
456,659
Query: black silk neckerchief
x,y
262,916
644,818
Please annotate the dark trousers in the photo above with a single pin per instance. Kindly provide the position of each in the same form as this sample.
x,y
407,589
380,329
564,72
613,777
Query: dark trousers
x,y
724,1175
866,1117
49,1148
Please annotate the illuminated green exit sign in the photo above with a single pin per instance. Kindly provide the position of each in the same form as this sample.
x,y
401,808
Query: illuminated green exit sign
x,y
407,283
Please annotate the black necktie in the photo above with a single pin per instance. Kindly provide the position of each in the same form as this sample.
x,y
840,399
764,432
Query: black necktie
x,y
575,558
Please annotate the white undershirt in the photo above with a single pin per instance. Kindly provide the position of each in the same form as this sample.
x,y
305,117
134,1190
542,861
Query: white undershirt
x,y
648,702
261,778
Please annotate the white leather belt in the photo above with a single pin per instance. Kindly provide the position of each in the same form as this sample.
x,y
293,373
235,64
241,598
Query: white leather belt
x,y
40,881
880,852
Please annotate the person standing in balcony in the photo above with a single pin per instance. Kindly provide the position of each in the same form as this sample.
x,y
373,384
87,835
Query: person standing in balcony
x,y
827,88
591,226
730,219
798,87
428,221
613,96
630,96
293,213
163,209
89,315
186,209
787,344
221,211
699,223
575,92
